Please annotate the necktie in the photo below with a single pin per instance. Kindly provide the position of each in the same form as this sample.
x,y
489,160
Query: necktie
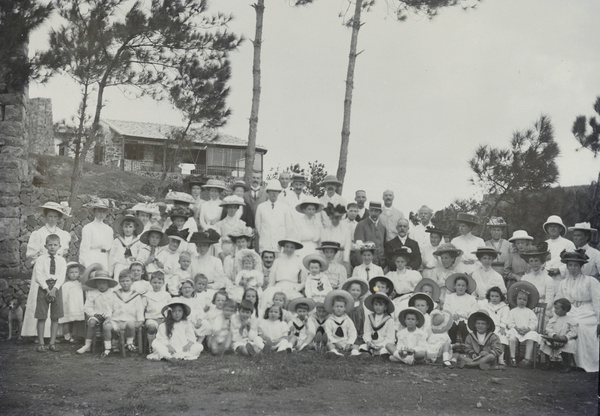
x,y
52,264
272,205
255,194
284,192
367,269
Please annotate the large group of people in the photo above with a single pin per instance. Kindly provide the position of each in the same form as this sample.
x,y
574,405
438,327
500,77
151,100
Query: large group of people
x,y
267,267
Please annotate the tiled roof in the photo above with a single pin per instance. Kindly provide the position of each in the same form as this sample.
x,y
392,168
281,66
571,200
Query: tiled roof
x,y
160,132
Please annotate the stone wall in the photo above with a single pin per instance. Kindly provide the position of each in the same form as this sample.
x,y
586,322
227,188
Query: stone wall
x,y
39,126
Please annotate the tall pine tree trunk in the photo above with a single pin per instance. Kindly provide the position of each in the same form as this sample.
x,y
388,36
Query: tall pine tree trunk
x,y
259,7
80,151
343,161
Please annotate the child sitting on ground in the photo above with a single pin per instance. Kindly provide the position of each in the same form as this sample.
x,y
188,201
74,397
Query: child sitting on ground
x,y
221,329
274,331
357,288
198,317
438,341
244,328
251,295
424,304
175,339
460,302
248,276
279,299
98,308
180,274
154,301
411,343
340,330
317,284
483,347
302,329
522,322
561,331
128,312
498,309
138,278
204,295
379,328
72,294
318,321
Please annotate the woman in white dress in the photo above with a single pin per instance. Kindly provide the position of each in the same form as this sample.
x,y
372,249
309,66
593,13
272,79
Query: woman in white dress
x,y
309,225
211,210
96,237
339,231
467,242
231,204
53,212
285,274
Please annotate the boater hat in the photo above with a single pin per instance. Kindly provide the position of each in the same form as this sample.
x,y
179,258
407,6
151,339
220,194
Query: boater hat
x,y
555,219
101,276
215,183
415,311
441,321
164,240
297,243
118,224
311,200
451,281
481,316
318,257
186,308
232,200
436,288
417,296
372,297
334,245
330,180
448,248
328,303
388,283
485,250
521,286
467,218
364,285
293,304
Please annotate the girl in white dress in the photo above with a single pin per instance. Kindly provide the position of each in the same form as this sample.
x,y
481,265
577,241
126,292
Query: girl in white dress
x,y
248,276
72,295
274,330
498,309
96,237
522,322
52,212
125,246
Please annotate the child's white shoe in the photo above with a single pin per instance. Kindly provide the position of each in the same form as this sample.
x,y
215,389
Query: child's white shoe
x,y
84,349
355,353
395,357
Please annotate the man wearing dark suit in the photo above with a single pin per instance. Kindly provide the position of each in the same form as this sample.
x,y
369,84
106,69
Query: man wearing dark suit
x,y
371,229
257,193
402,240
360,197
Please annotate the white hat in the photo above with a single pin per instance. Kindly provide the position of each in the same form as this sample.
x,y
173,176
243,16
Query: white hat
x,y
274,185
520,235
582,226
555,219
179,196
232,200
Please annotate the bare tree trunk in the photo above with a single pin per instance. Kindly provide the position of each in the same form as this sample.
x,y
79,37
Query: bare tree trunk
x,y
259,7
356,24
80,152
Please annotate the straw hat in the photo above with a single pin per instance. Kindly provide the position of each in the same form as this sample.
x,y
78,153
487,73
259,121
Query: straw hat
x,y
404,312
296,177
297,243
330,180
90,271
318,257
232,200
497,222
555,219
209,236
388,283
215,183
375,205
539,250
364,285
99,203
293,304
311,200
164,240
328,302
242,232
181,212
101,276
146,207
448,248
81,267
520,235
431,229
175,234
521,286
334,245
274,186
368,246
118,224
239,183
186,308
478,316
583,226
55,206
417,296
467,218
451,280
485,250
372,297
436,288
173,196
441,321
578,256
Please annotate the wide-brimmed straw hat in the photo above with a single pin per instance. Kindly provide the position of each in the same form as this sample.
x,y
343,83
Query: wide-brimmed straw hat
x,y
215,183
293,304
175,234
441,321
101,276
425,297
81,267
118,224
318,257
364,285
209,236
274,185
297,177
232,200
366,246
485,250
436,288
63,210
372,297
328,302
448,248
334,245
186,308
520,235
451,281
521,286
467,218
583,226
90,271
146,207
432,229
556,220
239,183
388,283
415,311
297,243
100,203
497,222
330,180
481,315
578,256
311,200
240,232
180,211
539,250
164,240
184,197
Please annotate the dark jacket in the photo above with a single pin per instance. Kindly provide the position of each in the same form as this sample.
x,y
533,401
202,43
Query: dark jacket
x,y
394,244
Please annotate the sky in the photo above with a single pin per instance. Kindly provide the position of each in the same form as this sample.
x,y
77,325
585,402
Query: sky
x,y
427,93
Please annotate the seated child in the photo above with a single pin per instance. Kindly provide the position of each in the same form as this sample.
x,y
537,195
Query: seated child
x,y
424,304
448,255
172,256
204,295
438,341
251,295
460,302
175,339
318,322
317,284
302,329
198,317
340,330
139,284
483,347
274,331
522,322
485,276
138,271
561,332
379,328
411,343
367,269
151,253
403,278
124,248
154,301
280,299
357,288
430,288
336,272
538,276
221,336
128,312
498,309
244,328
72,294
98,309
248,276
181,273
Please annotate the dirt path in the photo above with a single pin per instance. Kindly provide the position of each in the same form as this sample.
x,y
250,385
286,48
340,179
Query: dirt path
x,y
64,383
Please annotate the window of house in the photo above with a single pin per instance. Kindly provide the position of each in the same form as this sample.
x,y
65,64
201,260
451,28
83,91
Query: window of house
x,y
134,151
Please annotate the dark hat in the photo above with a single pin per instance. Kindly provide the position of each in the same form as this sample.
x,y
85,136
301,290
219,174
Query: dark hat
x,y
578,256
333,210
436,230
427,298
539,250
164,240
373,284
403,251
372,297
180,211
451,281
173,232
330,244
118,224
485,250
209,236
375,205
194,180
467,218
481,316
